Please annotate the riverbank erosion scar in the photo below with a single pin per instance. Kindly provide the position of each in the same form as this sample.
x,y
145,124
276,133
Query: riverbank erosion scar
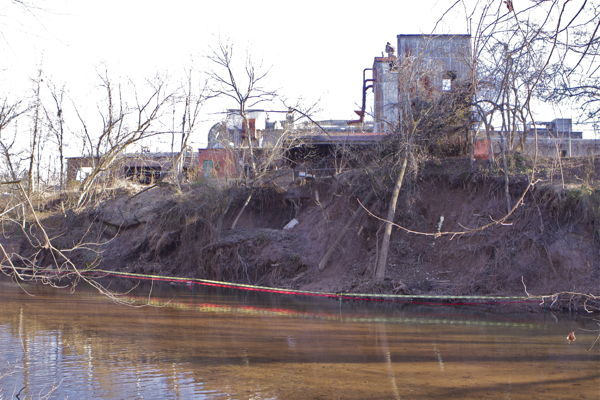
x,y
550,242
127,209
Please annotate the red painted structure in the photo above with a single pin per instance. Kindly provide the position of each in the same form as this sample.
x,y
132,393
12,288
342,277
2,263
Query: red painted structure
x,y
482,150
216,163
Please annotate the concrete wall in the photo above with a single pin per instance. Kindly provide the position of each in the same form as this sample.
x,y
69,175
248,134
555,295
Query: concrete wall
x,y
554,147
385,90
557,147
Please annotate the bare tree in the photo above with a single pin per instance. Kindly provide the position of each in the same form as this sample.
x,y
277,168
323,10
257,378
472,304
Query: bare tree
x,y
10,111
518,55
511,87
35,131
123,125
427,113
193,97
244,85
56,125
24,14
573,74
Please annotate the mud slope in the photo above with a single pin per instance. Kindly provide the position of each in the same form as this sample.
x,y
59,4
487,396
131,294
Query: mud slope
x,y
549,243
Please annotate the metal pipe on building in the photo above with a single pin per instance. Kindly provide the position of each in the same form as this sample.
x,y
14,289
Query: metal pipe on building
x,y
361,112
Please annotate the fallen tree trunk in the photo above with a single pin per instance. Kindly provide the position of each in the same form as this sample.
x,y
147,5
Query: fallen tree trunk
x,y
234,225
382,262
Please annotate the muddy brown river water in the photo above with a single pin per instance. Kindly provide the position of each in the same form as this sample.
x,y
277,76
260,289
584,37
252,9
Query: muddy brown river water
x,y
209,343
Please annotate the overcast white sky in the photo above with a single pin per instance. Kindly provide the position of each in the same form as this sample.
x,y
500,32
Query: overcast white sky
x,y
317,49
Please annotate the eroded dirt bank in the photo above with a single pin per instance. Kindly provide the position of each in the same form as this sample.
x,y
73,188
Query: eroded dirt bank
x,y
550,243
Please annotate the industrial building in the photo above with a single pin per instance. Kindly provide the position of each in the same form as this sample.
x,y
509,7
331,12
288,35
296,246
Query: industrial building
x,y
434,71
143,167
425,68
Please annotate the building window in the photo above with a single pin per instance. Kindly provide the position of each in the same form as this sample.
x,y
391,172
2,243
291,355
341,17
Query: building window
x,y
83,173
447,79
446,85
251,127
207,168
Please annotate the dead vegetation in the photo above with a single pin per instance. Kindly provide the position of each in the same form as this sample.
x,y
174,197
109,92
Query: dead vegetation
x,y
548,247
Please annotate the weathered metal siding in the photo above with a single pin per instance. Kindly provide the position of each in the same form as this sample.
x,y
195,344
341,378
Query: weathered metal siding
x,y
385,89
422,64
435,55
425,61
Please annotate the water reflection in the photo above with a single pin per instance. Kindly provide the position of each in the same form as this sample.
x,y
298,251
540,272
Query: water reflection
x,y
206,343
